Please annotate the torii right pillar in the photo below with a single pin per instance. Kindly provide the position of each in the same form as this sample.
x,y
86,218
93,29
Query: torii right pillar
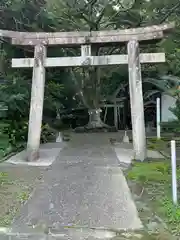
x,y
136,101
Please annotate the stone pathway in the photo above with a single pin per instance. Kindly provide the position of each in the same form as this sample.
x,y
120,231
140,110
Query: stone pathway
x,y
82,192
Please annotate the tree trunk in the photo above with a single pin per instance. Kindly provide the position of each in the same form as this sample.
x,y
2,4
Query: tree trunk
x,y
95,119
95,123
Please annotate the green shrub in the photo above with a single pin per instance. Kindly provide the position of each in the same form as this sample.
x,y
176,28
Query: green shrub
x,y
15,95
171,126
47,134
171,211
4,141
16,131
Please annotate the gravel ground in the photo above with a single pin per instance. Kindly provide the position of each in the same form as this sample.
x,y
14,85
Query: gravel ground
x,y
16,185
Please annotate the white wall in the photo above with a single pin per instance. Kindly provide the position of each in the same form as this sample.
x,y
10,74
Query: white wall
x,y
166,102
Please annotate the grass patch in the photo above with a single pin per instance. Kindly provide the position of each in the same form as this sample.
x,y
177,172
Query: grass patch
x,y
3,178
155,179
162,144
157,144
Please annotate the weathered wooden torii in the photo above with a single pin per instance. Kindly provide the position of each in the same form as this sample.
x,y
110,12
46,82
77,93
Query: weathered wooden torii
x,y
41,40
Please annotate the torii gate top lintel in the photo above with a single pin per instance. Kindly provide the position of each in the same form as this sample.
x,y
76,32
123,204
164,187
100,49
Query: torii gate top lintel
x,y
80,38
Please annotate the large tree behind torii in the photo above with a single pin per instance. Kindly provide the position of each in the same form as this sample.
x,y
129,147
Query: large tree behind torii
x,y
90,16
100,15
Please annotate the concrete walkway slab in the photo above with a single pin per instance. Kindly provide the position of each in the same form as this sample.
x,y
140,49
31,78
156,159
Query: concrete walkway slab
x,y
48,154
84,188
125,153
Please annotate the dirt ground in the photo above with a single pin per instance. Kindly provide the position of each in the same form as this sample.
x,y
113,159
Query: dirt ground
x,y
16,185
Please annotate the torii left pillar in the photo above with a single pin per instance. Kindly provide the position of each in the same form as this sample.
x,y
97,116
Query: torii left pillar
x,y
36,107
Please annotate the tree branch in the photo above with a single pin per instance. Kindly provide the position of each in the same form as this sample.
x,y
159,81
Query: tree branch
x,y
100,16
171,11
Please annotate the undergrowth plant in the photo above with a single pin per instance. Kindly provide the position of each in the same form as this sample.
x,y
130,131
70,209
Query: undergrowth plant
x,y
155,177
148,172
15,95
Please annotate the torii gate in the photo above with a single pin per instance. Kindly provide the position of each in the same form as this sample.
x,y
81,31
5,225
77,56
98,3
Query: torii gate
x,y
41,40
